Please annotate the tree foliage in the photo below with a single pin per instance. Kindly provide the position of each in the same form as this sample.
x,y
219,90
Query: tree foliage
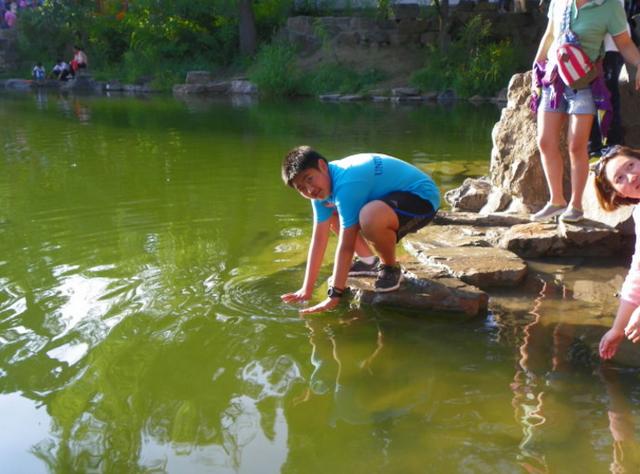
x,y
473,64
145,37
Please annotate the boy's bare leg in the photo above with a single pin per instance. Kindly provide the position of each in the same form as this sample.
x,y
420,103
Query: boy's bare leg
x,y
362,247
379,224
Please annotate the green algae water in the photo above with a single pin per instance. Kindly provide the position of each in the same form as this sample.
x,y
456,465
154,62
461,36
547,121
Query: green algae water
x,y
144,244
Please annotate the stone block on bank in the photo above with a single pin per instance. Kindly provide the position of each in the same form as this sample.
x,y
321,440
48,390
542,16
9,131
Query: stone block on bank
x,y
114,86
424,290
351,98
188,89
347,38
198,77
329,97
447,96
404,91
17,84
46,84
405,11
217,87
242,86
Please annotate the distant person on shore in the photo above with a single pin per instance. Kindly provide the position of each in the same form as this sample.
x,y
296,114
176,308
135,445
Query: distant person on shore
x,y
617,181
79,61
558,103
38,73
10,17
366,196
61,70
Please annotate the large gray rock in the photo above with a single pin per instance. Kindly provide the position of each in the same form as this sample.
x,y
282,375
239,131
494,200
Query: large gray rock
x,y
515,161
471,196
424,290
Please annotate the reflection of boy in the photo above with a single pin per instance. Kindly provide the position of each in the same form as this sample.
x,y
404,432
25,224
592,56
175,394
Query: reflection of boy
x,y
372,196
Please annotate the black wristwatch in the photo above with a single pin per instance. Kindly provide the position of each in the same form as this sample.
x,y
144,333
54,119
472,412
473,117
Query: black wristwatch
x,y
334,292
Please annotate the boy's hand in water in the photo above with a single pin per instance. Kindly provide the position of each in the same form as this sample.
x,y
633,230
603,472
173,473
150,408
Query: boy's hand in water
x,y
632,331
326,305
610,342
296,296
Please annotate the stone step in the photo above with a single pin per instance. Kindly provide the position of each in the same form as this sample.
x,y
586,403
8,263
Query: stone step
x,y
423,289
484,267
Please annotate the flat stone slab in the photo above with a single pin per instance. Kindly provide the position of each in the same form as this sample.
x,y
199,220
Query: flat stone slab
x,y
496,219
586,239
433,236
425,290
484,267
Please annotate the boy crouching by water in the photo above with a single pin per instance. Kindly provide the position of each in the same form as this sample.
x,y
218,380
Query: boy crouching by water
x,y
366,197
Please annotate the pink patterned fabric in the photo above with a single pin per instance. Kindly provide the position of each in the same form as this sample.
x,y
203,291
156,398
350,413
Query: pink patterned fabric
x,y
631,288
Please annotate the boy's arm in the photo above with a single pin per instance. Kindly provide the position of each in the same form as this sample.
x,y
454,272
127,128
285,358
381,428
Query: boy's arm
x,y
317,247
344,256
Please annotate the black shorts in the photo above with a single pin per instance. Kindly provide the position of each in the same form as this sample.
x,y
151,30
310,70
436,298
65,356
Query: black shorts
x,y
413,212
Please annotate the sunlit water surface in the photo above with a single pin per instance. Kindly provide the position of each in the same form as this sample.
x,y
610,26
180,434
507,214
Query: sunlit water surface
x,y
144,244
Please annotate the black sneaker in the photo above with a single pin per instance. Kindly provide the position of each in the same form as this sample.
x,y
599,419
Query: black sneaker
x,y
359,268
389,278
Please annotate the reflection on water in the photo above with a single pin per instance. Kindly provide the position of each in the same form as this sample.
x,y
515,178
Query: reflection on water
x,y
143,247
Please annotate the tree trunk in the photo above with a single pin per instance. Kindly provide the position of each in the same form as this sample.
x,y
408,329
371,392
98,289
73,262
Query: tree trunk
x,y
247,27
443,33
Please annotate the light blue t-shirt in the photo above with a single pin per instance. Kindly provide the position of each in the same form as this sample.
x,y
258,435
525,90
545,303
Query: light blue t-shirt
x,y
359,179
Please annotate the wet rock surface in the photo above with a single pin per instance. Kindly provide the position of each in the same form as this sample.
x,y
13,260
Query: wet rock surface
x,y
484,267
586,239
423,289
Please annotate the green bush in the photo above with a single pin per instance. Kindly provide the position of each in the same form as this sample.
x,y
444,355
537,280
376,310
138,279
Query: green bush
x,y
473,64
275,71
334,77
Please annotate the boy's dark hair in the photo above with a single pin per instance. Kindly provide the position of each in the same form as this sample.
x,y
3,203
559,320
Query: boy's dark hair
x,y
298,160
608,198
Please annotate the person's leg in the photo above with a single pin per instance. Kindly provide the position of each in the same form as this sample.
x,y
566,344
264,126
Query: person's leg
x,y
579,130
612,65
549,127
379,224
362,248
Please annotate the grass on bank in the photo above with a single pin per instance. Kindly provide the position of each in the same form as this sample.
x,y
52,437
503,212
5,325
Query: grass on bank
x,y
276,74
474,64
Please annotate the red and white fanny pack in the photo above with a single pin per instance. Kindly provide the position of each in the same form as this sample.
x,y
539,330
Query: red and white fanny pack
x,y
574,66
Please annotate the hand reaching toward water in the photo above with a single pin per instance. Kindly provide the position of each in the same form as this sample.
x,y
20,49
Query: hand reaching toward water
x,y
326,305
297,296
610,342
